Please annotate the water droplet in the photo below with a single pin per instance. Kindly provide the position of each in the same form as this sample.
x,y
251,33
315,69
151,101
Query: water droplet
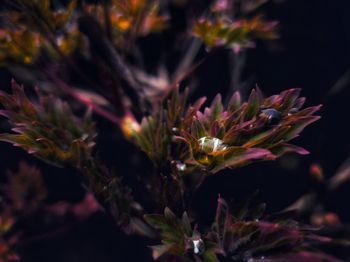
x,y
180,166
273,116
211,144
197,245
175,130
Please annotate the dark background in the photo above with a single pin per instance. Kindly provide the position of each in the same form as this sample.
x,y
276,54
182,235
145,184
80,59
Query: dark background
x,y
313,53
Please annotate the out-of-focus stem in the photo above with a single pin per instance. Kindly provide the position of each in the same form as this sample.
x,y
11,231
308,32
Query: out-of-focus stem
x,y
342,176
99,110
107,20
105,49
237,61
187,59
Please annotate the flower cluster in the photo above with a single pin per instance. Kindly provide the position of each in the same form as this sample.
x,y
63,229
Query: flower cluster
x,y
127,16
235,35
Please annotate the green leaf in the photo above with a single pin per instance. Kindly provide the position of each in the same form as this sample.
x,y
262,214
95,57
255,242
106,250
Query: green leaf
x,y
253,105
197,128
216,108
235,102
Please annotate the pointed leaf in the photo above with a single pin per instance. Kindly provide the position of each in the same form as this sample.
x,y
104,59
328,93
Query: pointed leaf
x,y
186,224
299,126
238,156
253,106
284,148
235,102
216,107
289,98
197,128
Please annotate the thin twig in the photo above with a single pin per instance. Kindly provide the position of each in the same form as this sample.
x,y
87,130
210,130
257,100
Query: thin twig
x,y
237,64
180,78
75,94
188,58
107,19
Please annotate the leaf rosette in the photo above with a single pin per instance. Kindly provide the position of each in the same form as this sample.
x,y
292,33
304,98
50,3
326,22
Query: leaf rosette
x,y
221,137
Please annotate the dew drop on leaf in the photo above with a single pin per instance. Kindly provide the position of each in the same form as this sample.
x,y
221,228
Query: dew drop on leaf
x,y
211,144
198,246
180,166
273,116
175,130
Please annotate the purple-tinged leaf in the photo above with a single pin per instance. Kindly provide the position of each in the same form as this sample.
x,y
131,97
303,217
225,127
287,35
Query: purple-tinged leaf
x,y
259,94
261,138
232,119
222,220
284,148
235,102
239,156
299,103
308,111
233,136
299,126
193,109
215,129
197,129
289,97
216,108
253,105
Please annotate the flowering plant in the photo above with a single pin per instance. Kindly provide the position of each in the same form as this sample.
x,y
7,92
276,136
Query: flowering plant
x,y
89,63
